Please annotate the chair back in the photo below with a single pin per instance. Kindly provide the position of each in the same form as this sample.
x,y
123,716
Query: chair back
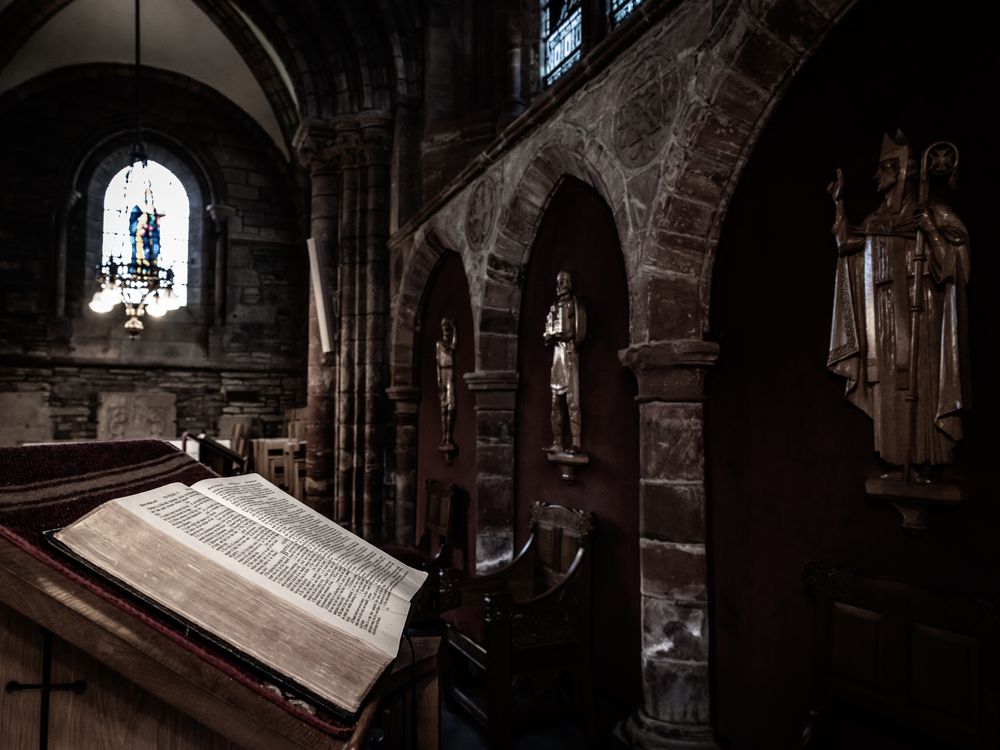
x,y
561,533
438,522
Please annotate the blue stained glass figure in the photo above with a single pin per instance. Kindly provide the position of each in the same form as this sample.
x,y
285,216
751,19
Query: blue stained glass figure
x,y
144,233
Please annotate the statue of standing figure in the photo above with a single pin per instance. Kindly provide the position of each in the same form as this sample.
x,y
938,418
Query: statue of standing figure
x,y
565,329
445,360
899,317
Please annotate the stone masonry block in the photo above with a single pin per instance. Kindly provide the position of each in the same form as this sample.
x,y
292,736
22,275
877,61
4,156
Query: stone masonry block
x,y
765,60
671,570
687,217
495,500
672,305
674,630
672,512
672,443
676,691
795,21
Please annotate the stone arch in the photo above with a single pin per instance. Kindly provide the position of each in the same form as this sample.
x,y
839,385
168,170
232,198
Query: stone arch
x,y
408,308
407,314
569,151
757,53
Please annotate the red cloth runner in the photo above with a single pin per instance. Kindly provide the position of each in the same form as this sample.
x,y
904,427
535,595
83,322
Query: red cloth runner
x,y
46,487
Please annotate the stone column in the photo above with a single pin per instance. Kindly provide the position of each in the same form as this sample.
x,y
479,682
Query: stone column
x,y
220,215
376,140
315,144
362,409
673,569
71,199
347,300
495,392
514,104
406,401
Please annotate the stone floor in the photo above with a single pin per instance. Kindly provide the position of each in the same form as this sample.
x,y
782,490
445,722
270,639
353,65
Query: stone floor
x,y
460,733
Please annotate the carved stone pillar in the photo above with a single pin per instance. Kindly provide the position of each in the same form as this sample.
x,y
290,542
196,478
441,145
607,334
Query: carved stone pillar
x,y
317,151
220,215
514,105
70,201
406,401
363,416
376,140
347,469
674,578
495,392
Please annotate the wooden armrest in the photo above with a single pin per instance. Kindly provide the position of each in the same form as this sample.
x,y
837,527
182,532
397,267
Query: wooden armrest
x,y
456,590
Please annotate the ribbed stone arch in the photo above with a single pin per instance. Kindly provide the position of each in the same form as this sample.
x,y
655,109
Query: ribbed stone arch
x,y
407,312
568,151
753,58
744,68
408,307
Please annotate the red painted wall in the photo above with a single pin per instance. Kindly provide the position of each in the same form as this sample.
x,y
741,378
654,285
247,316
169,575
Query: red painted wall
x,y
447,295
578,234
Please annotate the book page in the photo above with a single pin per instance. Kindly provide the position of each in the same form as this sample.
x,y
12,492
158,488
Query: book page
x,y
256,497
307,577
163,567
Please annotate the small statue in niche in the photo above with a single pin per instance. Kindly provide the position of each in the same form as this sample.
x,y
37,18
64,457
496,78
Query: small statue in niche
x,y
565,329
445,360
899,322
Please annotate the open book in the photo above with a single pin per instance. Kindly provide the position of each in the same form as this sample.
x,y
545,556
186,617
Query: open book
x,y
253,567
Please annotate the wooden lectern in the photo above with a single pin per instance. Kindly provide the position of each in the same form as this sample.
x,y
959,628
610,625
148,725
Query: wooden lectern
x,y
82,666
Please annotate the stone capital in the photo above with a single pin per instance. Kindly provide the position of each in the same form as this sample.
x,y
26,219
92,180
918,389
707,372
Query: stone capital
x,y
220,215
315,143
492,380
405,398
671,370
493,389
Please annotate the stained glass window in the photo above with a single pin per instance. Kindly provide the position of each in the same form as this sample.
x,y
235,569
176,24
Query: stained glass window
x,y
562,37
620,9
146,211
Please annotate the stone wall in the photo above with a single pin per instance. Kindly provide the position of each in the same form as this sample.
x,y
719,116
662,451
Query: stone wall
x,y
62,136
69,396
659,119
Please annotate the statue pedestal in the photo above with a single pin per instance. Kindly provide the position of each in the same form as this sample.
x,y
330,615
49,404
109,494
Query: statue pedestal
x,y
448,450
914,501
568,463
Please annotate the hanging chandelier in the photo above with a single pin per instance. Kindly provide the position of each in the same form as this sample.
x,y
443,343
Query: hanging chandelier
x,y
141,284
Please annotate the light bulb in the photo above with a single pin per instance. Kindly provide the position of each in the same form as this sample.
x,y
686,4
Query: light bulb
x,y
155,308
99,303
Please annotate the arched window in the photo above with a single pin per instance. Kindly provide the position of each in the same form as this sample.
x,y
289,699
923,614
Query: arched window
x,y
149,188
562,37
569,28
619,10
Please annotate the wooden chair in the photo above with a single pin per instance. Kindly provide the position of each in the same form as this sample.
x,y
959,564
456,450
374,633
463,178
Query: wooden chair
x,y
436,548
222,460
517,641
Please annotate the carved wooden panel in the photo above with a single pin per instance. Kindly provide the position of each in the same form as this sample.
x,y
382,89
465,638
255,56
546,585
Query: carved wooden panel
x,y
137,415
854,655
944,673
26,418
115,712
20,661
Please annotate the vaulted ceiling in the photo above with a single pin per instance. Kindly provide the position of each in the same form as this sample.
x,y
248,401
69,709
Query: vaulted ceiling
x,y
279,60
